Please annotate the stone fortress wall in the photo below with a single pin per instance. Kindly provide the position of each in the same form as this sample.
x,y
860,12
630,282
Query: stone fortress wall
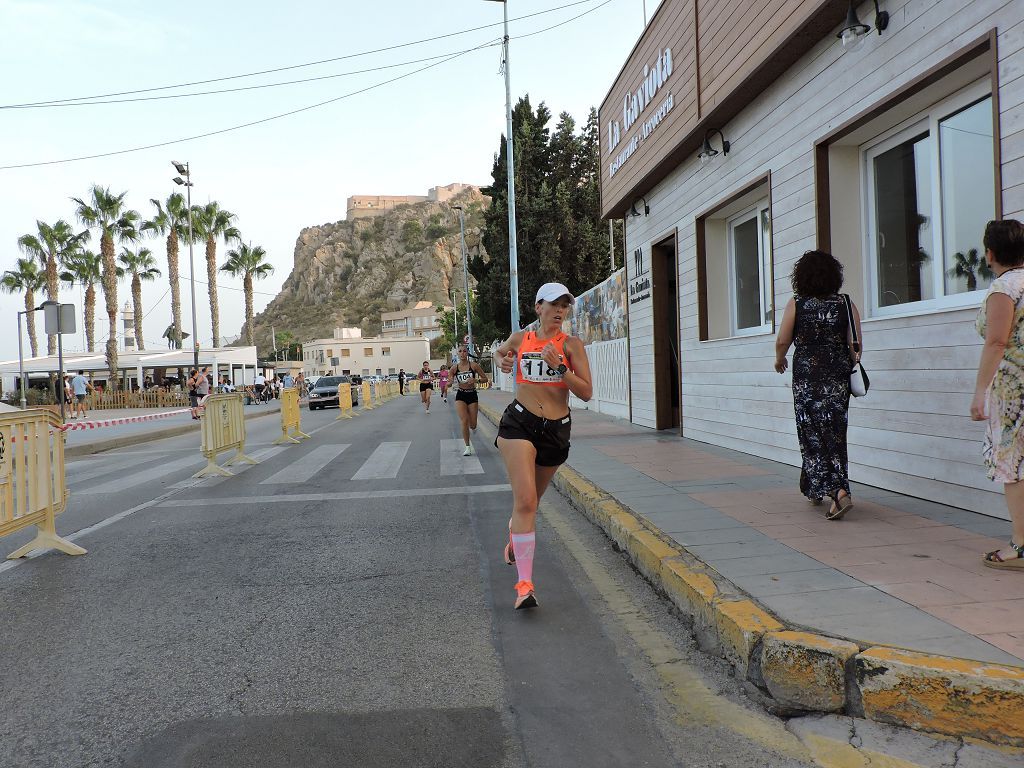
x,y
365,206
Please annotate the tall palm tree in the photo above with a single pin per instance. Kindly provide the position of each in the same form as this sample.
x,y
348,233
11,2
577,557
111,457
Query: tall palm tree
x,y
171,219
141,266
107,212
49,246
85,268
248,261
972,266
25,277
210,222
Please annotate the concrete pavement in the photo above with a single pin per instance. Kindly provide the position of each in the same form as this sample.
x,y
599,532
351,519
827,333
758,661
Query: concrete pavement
x,y
730,537
357,614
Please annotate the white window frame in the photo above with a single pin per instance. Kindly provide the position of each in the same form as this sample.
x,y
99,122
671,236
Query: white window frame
x,y
764,261
927,120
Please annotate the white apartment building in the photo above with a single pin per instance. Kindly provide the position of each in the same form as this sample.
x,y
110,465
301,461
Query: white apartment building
x,y
349,353
421,320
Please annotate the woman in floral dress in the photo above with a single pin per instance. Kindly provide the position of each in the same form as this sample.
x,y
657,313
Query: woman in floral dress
x,y
999,390
816,320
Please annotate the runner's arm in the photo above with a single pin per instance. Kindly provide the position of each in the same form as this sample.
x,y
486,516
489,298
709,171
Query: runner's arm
x,y
578,376
510,346
481,377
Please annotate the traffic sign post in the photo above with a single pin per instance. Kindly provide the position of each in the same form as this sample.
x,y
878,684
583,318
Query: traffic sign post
x,y
60,319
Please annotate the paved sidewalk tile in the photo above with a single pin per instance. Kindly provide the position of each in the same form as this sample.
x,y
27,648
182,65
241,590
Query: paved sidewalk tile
x,y
896,570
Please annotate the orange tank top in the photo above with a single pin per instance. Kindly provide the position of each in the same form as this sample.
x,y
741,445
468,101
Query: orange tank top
x,y
530,365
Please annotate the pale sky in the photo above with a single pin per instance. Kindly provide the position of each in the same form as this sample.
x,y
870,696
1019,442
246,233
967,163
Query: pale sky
x,y
435,127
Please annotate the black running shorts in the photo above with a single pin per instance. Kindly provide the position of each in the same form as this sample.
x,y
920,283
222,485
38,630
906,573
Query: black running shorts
x,y
549,437
467,396
425,385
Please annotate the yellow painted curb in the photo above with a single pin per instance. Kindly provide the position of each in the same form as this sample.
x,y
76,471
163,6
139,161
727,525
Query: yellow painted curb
x,y
647,551
740,624
943,695
620,526
805,670
691,591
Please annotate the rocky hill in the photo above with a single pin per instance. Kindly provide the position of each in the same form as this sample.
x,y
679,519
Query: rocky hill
x,y
347,273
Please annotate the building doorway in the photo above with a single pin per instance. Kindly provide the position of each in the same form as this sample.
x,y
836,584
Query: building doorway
x,y
665,300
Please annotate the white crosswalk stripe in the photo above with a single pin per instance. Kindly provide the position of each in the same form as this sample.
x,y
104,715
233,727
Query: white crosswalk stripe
x,y
92,471
130,479
454,463
308,465
384,462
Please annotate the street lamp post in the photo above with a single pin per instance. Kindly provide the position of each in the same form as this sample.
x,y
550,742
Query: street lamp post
x,y
21,357
513,256
183,169
465,281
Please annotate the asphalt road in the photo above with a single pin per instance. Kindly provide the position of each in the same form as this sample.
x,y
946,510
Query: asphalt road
x,y
344,603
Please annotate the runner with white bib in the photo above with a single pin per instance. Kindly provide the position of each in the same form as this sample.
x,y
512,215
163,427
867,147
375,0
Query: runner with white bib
x,y
466,374
533,435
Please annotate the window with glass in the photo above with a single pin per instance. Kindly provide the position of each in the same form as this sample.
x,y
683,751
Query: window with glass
x,y
346,353
931,190
749,243
367,351
385,351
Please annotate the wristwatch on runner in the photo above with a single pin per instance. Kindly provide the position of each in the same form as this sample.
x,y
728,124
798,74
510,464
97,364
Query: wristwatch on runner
x,y
562,368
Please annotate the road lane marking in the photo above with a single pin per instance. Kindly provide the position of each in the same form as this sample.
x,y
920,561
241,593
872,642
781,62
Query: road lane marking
x,y
132,479
288,498
307,466
92,472
383,463
454,463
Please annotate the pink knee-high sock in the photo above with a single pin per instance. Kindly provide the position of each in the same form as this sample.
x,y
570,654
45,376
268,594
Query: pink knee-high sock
x,y
524,545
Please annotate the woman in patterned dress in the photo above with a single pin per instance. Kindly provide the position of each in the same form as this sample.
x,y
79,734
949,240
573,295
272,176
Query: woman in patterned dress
x,y
816,320
999,390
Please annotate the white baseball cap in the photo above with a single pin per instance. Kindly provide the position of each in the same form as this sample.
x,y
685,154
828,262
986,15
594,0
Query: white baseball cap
x,y
554,291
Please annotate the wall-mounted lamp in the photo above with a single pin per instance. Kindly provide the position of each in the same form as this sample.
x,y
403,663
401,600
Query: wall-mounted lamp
x,y
707,151
634,212
853,30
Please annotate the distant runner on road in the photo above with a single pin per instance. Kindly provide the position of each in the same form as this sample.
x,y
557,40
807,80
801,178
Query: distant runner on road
x,y
426,378
466,374
442,380
533,435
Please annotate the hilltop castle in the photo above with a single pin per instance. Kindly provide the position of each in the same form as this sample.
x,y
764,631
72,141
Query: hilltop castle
x,y
364,206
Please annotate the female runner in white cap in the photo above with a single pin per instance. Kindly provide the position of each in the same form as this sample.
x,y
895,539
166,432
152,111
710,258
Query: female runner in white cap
x,y
533,435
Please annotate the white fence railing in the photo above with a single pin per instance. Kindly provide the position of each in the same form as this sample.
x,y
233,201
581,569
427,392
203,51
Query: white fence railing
x,y
609,369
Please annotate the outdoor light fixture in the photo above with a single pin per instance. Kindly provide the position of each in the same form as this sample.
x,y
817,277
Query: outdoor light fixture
x,y
853,30
707,151
634,212
180,167
183,169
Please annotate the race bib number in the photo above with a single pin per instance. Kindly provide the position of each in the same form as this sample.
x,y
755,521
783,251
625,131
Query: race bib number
x,y
464,377
536,371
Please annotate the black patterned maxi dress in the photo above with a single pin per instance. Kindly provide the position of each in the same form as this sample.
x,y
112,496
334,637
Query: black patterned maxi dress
x,y
821,394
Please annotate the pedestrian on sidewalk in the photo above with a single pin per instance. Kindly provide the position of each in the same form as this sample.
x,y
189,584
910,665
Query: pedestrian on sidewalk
x,y
816,320
80,385
466,375
999,389
533,435
401,381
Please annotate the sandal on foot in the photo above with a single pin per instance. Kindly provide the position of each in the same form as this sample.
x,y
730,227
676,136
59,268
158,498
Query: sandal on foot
x,y
840,506
994,559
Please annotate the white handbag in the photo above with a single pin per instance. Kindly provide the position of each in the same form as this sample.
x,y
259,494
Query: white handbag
x,y
859,381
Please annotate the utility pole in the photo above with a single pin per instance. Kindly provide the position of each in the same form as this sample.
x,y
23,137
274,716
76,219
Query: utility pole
x,y
465,281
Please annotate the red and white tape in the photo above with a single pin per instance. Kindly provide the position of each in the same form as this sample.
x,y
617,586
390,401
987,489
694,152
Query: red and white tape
x,y
116,422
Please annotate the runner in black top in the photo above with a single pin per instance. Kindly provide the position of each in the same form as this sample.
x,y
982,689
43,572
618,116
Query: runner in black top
x,y
426,377
466,374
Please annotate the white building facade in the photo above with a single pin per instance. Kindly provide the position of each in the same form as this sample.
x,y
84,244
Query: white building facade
x,y
891,154
350,353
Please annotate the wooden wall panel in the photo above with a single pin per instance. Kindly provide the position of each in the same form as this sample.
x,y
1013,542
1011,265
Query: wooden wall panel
x,y
913,432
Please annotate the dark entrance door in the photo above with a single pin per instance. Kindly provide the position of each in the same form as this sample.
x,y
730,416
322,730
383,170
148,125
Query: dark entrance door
x,y
665,298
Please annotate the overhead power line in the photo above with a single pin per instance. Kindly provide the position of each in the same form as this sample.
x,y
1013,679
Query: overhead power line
x,y
299,110
52,102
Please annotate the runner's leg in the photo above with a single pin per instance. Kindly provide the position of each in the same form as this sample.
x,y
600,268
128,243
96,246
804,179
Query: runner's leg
x,y
472,411
463,410
520,457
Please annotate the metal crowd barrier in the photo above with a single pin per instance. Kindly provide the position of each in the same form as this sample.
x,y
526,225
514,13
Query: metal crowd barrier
x,y
291,417
223,429
32,486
